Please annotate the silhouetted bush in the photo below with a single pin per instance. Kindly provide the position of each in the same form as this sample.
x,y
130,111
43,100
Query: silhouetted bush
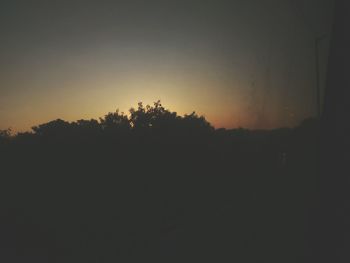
x,y
54,128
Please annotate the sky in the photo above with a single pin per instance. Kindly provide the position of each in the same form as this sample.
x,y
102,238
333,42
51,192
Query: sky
x,y
240,63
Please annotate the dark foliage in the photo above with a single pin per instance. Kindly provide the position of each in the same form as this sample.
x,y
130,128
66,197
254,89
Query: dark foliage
x,y
155,185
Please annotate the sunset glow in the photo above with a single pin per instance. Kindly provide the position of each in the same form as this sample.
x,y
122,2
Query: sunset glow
x,y
62,65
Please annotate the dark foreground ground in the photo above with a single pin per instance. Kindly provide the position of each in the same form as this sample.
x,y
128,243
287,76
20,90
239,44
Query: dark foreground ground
x,y
226,196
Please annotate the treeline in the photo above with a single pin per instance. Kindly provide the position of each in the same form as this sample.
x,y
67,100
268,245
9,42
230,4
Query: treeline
x,y
156,130
159,131
144,119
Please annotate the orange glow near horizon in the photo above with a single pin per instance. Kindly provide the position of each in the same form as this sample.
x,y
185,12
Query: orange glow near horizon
x,y
90,88
91,85
94,91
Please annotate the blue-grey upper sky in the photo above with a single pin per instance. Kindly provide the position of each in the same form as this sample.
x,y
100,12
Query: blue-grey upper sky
x,y
239,62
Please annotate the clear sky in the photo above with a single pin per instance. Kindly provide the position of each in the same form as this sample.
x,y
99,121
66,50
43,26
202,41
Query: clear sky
x,y
243,63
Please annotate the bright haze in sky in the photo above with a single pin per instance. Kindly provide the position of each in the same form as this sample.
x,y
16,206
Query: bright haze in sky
x,y
238,62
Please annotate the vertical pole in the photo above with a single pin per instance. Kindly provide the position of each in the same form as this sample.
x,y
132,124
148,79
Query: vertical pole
x,y
318,89
317,67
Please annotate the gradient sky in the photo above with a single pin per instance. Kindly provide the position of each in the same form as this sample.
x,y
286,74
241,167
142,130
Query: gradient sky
x,y
243,63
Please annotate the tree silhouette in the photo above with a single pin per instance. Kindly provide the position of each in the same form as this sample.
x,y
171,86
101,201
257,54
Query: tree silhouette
x,y
144,120
115,121
5,134
53,128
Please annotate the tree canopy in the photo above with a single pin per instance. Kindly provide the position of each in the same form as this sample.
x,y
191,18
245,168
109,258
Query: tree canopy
x,y
148,119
